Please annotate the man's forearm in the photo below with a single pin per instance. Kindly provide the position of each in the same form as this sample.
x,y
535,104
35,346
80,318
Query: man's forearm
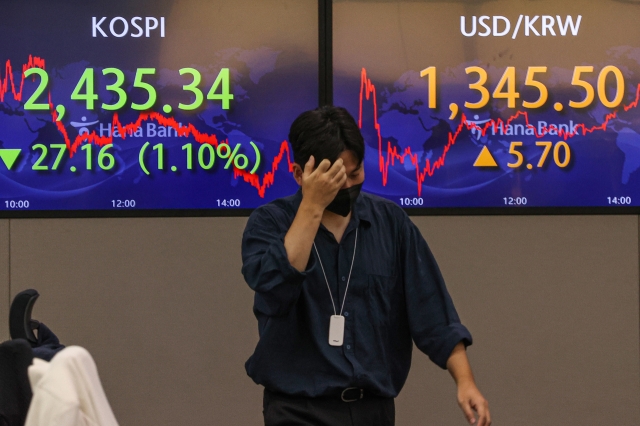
x,y
299,239
469,397
458,365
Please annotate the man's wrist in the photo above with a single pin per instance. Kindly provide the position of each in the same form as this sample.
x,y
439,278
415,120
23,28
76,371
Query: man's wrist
x,y
310,209
463,382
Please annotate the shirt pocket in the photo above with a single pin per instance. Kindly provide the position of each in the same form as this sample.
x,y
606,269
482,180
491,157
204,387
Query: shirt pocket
x,y
381,296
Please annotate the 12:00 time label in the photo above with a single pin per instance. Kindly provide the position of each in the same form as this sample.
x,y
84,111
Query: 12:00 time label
x,y
515,201
120,204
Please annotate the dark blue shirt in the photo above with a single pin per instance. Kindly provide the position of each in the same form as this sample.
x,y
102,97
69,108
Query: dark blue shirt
x,y
396,295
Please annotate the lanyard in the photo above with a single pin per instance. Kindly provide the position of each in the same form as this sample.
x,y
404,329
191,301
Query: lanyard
x,y
355,244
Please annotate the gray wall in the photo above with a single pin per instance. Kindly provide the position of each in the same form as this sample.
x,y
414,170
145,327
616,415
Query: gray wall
x,y
552,302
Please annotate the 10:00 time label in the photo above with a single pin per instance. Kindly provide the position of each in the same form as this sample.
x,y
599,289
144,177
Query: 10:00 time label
x,y
16,204
411,202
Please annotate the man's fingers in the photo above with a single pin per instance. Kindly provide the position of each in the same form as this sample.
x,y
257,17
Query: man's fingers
x,y
308,168
341,179
323,166
336,167
484,418
468,412
342,171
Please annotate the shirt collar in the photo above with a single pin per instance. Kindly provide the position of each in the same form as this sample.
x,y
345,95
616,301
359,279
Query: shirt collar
x,y
361,210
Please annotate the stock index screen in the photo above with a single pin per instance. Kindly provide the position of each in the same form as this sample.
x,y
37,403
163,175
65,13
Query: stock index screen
x,y
151,105
494,104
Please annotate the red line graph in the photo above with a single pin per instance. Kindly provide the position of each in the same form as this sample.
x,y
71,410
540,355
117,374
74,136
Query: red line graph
x,y
385,159
261,184
33,62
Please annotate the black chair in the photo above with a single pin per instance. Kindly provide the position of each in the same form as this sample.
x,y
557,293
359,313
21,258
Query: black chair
x,y
21,325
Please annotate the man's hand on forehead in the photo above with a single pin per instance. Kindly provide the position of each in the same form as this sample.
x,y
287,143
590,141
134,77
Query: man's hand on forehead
x,y
317,162
321,184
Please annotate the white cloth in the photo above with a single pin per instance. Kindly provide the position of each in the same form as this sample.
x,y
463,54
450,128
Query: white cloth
x,y
67,392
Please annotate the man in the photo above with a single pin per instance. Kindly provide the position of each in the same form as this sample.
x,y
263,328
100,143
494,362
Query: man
x,y
344,282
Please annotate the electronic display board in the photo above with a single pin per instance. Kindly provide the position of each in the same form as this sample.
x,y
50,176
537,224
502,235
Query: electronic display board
x,y
144,105
495,104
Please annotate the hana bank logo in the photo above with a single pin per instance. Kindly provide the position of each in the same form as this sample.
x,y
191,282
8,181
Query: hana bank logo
x,y
477,129
83,125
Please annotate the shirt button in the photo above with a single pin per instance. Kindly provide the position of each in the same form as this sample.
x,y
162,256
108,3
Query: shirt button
x,y
346,314
348,346
343,279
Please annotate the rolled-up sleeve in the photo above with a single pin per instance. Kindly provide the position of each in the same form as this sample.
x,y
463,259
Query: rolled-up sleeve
x,y
266,267
433,320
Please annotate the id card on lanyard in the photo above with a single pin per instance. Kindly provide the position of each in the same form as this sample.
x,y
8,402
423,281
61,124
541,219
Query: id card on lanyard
x,y
336,330
336,323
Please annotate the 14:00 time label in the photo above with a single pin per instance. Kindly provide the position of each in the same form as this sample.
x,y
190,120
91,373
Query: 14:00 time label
x,y
620,201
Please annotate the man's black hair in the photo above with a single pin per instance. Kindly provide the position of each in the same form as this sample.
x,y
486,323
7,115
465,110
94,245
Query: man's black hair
x,y
325,132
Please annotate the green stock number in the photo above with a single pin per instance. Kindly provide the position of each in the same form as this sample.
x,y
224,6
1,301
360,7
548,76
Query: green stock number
x,y
105,160
85,89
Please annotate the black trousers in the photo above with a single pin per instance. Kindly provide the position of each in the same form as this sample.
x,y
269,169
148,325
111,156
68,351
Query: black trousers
x,y
285,410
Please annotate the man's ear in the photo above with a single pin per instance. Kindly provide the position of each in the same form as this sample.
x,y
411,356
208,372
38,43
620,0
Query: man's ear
x,y
297,173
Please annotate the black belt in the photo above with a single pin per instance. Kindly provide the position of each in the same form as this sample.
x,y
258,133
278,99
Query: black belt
x,y
352,394
347,395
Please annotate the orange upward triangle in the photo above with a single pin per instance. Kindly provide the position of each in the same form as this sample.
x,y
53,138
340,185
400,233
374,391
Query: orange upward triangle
x,y
485,159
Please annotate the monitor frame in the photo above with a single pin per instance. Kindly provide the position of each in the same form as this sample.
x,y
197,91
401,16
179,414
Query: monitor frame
x,y
325,96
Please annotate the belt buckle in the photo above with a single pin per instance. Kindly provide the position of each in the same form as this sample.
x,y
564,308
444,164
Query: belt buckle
x,y
351,400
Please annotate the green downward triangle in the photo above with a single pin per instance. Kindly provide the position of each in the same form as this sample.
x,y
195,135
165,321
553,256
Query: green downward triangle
x,y
9,156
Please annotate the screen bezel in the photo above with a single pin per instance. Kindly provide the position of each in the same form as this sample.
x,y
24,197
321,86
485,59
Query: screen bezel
x,y
325,96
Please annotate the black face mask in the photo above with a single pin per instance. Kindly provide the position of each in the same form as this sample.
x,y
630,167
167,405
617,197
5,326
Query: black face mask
x,y
344,201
